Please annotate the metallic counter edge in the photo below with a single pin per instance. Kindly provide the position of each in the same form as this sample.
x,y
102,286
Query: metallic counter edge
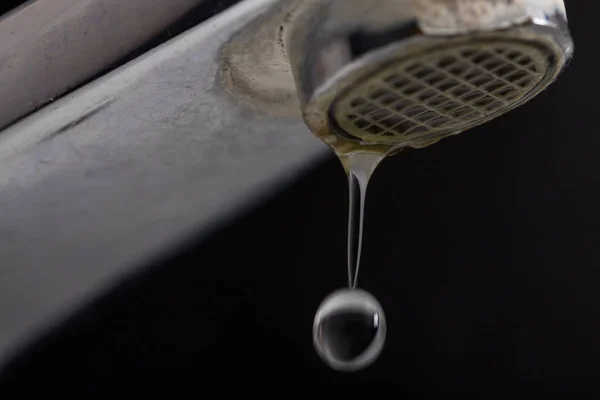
x,y
112,175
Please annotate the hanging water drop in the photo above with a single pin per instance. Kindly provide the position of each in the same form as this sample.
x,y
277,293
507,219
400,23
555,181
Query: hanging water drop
x,y
349,330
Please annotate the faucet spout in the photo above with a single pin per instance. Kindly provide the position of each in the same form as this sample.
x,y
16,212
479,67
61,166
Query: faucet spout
x,y
398,73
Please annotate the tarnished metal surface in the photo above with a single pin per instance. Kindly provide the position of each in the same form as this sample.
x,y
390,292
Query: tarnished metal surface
x,y
108,177
49,47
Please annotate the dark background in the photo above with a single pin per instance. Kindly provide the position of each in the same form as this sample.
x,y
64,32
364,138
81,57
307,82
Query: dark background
x,y
484,251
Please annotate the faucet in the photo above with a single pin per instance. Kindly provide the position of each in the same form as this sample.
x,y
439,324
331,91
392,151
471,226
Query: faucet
x,y
384,75
182,137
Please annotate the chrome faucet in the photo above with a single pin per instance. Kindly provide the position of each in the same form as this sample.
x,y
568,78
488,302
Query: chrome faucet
x,y
390,74
111,175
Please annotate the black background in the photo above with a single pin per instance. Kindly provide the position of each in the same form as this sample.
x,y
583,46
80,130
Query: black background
x,y
484,251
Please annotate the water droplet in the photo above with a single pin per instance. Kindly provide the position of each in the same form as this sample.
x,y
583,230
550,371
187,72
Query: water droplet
x,y
349,330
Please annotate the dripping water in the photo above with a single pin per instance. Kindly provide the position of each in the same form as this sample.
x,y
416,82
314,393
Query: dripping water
x,y
360,168
350,327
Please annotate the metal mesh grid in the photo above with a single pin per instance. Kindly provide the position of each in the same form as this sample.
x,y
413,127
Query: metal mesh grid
x,y
441,91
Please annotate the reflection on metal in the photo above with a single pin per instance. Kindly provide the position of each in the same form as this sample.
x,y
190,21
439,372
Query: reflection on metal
x,y
110,176
49,47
